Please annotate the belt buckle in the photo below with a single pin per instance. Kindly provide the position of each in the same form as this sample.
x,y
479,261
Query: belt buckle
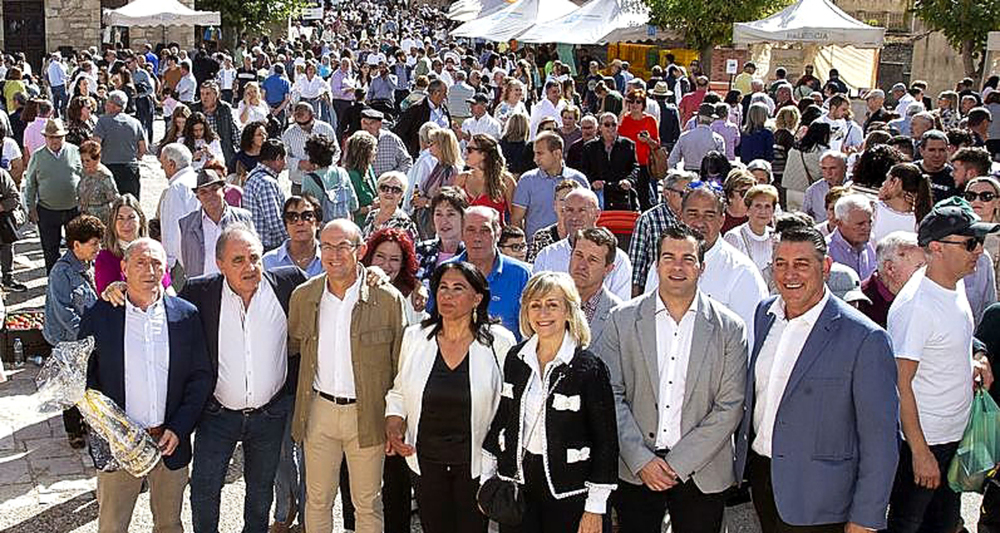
x,y
248,411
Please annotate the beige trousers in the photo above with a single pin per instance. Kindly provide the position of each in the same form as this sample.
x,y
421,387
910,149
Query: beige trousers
x,y
117,492
332,432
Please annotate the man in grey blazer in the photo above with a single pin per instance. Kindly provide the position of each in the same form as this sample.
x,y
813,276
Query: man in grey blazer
x,y
677,361
591,260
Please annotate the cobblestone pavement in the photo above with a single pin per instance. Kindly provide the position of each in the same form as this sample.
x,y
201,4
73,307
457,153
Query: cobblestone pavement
x,y
46,486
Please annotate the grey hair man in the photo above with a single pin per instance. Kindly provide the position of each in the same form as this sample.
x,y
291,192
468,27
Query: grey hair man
x,y
177,200
898,256
123,142
850,244
833,167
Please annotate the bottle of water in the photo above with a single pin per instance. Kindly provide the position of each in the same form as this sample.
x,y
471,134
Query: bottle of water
x,y
18,353
36,360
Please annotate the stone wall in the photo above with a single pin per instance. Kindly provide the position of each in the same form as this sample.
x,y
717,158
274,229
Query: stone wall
x,y
75,23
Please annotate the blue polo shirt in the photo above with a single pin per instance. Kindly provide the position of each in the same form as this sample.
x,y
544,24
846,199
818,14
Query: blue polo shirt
x,y
275,88
507,281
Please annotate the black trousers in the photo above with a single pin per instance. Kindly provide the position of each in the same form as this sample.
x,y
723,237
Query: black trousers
x,y
144,111
446,499
914,509
50,225
646,189
126,178
641,510
543,513
396,491
762,492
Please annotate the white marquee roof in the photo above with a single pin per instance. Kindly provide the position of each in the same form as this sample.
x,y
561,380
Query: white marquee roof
x,y
809,21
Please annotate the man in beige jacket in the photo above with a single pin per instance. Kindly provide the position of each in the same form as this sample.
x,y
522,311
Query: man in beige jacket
x,y
349,335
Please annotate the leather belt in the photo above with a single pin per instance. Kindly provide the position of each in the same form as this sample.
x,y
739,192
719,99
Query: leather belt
x,y
254,410
337,399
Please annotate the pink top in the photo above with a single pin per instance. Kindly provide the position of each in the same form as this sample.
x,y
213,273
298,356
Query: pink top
x,y
108,269
33,138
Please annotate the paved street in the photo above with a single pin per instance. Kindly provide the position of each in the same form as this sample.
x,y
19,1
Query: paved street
x,y
45,486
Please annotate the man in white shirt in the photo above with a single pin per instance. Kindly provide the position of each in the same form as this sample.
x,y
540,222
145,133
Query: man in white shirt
x,y
150,358
677,362
931,325
177,201
201,229
57,81
306,124
480,121
845,134
581,211
348,333
550,106
244,318
730,277
187,86
818,440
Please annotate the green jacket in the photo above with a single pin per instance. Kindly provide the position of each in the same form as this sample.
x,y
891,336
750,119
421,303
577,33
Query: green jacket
x,y
364,188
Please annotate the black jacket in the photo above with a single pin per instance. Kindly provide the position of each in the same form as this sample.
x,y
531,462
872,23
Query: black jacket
x,y
612,169
590,425
408,125
205,292
670,124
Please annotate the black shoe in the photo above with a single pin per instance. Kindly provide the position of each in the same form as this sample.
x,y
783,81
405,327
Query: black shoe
x,y
13,285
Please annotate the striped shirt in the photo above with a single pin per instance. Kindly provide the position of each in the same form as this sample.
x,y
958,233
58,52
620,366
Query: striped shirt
x,y
295,142
262,196
642,248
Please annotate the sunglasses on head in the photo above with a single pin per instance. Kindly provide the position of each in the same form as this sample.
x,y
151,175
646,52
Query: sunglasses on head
x,y
293,218
700,184
390,189
969,245
986,196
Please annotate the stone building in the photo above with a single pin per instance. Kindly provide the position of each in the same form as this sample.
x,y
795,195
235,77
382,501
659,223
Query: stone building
x,y
37,26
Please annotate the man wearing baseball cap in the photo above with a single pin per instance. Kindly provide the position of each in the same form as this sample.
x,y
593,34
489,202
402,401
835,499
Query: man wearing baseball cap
x,y
931,326
480,121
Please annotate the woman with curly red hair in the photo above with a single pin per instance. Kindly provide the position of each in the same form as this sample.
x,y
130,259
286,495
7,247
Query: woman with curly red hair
x,y
391,249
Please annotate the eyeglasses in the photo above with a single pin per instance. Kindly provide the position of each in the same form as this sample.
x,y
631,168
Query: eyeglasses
x,y
970,245
342,248
633,100
292,217
390,189
609,124
985,196
471,148
515,247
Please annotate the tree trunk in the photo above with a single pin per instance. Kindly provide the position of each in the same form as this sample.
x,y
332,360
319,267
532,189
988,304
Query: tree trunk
x,y
967,60
706,60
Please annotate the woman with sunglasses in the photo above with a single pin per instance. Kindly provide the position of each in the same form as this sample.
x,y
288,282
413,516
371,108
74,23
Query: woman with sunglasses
x,y
641,128
391,187
984,195
488,183
903,200
301,216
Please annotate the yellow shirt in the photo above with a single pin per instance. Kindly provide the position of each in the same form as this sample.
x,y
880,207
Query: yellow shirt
x,y
742,83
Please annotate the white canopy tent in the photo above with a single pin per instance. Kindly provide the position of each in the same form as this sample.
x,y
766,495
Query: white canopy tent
x,y
598,22
160,13
828,37
466,10
511,21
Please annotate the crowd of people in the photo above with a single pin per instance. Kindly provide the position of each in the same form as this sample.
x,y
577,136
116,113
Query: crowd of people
x,y
803,304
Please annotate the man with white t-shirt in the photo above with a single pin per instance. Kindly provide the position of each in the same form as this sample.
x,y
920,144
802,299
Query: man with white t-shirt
x,y
936,368
845,134
730,277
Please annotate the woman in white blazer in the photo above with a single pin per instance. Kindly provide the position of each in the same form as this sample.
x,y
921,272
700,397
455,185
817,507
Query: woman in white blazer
x,y
446,392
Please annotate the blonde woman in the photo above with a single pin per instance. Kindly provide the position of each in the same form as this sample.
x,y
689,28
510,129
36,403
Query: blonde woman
x,y
359,156
785,125
517,151
512,101
984,195
555,361
252,107
391,188
445,150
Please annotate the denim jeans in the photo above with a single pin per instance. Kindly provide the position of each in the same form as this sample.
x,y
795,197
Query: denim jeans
x,y
290,481
914,509
218,432
60,100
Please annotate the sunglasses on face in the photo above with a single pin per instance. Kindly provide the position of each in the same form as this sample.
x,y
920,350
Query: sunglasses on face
x,y
293,218
633,100
393,189
609,124
985,196
969,245
471,148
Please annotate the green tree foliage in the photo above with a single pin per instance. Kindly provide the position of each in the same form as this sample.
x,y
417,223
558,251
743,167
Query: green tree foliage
x,y
965,23
707,23
251,17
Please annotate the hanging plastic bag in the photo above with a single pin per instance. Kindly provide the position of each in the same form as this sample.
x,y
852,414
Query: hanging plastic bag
x,y
979,450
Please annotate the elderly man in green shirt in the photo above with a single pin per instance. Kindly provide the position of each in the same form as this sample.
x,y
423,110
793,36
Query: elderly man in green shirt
x,y
50,188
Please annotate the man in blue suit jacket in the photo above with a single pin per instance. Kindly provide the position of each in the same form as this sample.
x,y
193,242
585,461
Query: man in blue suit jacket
x,y
149,358
819,436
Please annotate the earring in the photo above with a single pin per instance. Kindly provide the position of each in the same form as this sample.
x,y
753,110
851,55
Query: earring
x,y
475,316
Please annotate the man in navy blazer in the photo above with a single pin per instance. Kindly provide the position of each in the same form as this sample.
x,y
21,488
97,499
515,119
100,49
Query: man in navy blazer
x,y
244,311
819,436
149,358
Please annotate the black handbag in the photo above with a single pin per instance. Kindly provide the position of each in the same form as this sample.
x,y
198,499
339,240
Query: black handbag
x,y
501,500
8,228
